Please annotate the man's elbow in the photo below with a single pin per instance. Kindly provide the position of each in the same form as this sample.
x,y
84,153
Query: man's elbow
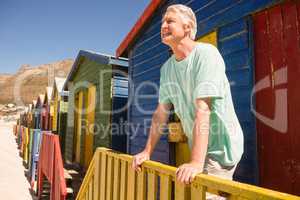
x,y
202,108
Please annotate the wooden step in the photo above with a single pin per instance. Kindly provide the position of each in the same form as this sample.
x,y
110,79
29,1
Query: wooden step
x,y
70,193
67,174
69,190
68,178
73,172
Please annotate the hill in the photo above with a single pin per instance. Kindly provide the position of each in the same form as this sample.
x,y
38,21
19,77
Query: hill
x,y
30,81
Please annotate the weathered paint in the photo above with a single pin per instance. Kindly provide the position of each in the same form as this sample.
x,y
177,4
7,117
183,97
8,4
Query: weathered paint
x,y
276,34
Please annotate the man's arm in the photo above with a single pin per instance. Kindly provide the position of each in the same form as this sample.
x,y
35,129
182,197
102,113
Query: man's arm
x,y
201,131
186,172
159,121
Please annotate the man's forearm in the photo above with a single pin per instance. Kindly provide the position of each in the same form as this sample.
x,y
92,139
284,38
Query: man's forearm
x,y
155,133
200,137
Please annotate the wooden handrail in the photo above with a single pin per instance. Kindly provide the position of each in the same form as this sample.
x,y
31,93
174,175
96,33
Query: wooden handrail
x,y
51,167
110,177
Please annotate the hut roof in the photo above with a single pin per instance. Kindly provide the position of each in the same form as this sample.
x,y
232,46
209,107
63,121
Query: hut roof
x,y
59,83
58,86
96,57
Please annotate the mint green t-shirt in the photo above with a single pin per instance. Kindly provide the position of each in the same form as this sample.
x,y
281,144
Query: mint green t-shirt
x,y
200,75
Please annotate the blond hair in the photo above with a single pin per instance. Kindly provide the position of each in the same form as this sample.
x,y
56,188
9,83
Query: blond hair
x,y
187,15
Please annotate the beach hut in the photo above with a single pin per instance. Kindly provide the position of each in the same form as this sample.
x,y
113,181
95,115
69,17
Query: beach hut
x,y
90,85
56,98
60,110
25,135
46,118
29,116
35,136
259,43
38,111
33,112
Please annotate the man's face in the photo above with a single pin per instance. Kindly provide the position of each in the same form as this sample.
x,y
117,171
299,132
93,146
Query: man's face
x,y
172,28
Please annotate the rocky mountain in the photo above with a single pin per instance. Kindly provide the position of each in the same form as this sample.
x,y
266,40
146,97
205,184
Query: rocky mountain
x,y
4,77
30,81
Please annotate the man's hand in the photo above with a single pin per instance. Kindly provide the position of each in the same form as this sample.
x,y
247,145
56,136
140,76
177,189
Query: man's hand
x,y
159,118
187,172
138,159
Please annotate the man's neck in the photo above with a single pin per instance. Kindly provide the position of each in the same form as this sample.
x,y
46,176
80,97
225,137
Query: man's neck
x,y
183,48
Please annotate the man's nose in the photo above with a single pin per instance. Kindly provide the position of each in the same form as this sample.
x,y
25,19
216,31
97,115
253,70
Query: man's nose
x,y
163,24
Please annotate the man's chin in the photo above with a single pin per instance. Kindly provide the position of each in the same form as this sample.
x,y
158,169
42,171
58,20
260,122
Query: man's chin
x,y
165,41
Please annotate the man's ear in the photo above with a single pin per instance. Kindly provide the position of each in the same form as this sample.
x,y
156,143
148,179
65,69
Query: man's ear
x,y
187,29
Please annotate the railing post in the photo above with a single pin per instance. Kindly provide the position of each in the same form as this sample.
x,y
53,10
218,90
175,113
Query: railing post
x,y
165,187
116,187
103,176
97,175
123,186
109,180
141,182
182,192
152,184
198,191
131,183
90,191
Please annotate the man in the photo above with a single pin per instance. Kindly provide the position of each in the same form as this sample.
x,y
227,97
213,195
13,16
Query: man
x,y
193,80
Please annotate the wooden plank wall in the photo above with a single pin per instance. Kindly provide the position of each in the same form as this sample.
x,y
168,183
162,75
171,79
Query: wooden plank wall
x,y
235,44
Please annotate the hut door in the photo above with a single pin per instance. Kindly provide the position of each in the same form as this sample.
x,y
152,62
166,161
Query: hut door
x,y
182,151
277,71
89,136
78,121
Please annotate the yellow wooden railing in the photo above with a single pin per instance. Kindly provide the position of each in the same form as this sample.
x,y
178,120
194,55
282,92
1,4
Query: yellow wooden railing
x,y
110,177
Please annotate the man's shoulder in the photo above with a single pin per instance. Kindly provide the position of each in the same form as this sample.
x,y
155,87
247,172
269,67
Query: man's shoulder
x,y
208,52
205,48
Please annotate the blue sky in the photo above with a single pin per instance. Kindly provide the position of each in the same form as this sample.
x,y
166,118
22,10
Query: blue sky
x,y
38,31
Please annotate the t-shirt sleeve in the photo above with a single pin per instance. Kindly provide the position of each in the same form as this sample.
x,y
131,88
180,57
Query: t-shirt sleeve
x,y
209,74
164,96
